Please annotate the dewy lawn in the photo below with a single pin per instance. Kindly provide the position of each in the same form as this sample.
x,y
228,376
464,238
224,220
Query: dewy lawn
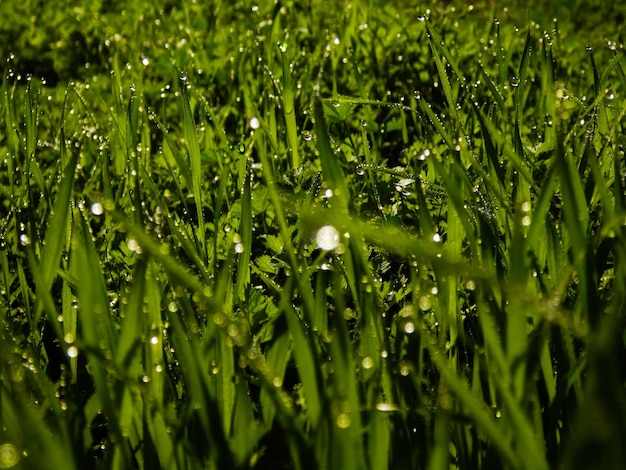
x,y
341,235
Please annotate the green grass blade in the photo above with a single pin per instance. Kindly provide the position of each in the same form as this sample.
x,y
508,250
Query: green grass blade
x,y
289,108
330,166
306,361
244,245
195,165
56,234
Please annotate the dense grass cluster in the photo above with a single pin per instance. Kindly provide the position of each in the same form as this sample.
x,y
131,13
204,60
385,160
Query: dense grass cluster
x,y
342,235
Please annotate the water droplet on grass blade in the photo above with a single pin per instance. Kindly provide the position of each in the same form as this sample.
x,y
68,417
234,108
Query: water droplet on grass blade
x,y
133,245
343,420
97,208
9,456
254,123
424,303
327,238
386,407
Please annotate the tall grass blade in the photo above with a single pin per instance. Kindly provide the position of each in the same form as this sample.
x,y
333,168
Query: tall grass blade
x,y
195,165
289,108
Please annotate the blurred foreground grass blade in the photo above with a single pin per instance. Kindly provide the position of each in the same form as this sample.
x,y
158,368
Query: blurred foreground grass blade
x,y
158,407
201,415
99,338
277,358
30,435
475,408
530,454
307,361
348,449
129,356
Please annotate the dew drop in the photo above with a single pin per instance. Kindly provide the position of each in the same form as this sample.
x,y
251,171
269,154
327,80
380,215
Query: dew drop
x,y
386,407
97,208
424,303
327,238
9,455
133,245
343,421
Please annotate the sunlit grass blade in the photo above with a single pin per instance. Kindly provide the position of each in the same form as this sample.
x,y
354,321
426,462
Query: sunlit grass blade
x,y
244,245
30,139
330,166
195,164
289,107
495,92
56,234
436,47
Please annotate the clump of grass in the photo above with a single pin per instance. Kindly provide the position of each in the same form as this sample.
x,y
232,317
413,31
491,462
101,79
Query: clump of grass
x,y
167,299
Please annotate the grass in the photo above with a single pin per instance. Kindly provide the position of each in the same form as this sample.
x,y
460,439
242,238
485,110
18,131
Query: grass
x,y
165,299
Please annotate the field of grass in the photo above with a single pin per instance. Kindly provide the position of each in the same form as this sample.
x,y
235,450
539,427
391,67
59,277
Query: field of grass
x,y
312,235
